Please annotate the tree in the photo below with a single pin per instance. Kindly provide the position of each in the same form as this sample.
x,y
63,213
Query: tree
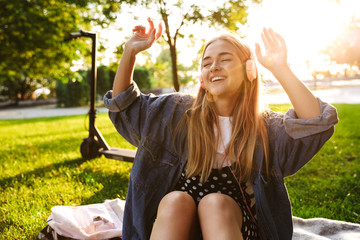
x,y
32,37
226,14
345,48
161,71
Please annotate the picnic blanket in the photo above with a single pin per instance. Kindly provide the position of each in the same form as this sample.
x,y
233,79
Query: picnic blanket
x,y
323,229
105,220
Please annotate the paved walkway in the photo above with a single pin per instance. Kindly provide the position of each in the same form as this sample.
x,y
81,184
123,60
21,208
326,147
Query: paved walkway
x,y
334,95
44,111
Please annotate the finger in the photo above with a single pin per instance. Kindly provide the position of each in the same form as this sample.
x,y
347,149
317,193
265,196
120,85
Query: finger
x,y
269,37
281,39
139,28
258,51
152,37
159,32
151,23
264,39
274,37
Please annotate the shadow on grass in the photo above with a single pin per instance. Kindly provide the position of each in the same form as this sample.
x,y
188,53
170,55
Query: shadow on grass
x,y
113,186
27,178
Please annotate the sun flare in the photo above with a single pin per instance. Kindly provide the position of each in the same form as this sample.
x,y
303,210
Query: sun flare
x,y
307,26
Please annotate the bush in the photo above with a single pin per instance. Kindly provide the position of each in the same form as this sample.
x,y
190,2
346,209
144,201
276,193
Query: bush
x,y
142,77
76,92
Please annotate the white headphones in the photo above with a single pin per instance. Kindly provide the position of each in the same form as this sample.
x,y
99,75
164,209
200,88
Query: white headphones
x,y
251,70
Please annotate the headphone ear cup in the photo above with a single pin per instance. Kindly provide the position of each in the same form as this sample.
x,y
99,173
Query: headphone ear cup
x,y
202,83
251,70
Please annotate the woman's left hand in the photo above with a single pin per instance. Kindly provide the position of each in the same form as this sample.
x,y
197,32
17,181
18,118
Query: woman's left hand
x,y
275,56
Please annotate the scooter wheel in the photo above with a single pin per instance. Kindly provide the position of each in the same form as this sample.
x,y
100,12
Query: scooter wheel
x,y
90,148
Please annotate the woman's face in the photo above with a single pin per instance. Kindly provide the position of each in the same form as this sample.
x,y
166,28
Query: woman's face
x,y
222,70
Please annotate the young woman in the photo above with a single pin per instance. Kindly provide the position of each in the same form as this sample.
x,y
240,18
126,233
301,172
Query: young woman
x,y
212,166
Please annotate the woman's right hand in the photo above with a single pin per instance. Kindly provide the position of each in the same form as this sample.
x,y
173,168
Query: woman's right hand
x,y
142,39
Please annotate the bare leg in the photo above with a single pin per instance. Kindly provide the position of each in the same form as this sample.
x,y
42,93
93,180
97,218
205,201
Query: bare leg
x,y
176,218
220,217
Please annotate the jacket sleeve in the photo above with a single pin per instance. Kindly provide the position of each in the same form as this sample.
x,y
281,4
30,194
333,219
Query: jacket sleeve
x,y
293,141
128,111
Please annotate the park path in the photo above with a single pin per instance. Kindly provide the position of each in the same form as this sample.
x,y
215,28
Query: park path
x,y
44,111
350,94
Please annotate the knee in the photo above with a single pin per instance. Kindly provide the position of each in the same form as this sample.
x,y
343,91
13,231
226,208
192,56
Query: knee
x,y
176,203
218,203
220,217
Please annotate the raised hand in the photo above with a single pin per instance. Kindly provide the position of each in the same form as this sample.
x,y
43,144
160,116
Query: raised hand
x,y
142,39
275,50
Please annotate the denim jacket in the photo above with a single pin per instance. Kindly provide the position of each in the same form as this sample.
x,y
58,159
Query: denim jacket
x,y
148,121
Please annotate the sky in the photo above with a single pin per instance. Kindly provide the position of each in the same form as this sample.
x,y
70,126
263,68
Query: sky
x,y
306,25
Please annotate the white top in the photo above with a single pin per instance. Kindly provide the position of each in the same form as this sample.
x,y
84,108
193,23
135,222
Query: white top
x,y
224,139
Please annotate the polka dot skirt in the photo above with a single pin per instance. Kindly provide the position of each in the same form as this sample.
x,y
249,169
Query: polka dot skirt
x,y
223,181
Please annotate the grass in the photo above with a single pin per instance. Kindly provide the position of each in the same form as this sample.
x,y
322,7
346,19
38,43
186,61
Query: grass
x,y
41,167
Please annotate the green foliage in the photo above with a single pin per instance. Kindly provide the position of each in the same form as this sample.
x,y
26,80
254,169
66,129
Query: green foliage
x,y
32,40
32,35
142,77
162,72
105,79
228,14
73,93
75,89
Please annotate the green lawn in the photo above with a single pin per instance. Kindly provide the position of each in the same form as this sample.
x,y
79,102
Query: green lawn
x,y
41,167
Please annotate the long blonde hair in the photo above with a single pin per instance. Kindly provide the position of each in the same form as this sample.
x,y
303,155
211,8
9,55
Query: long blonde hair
x,y
248,128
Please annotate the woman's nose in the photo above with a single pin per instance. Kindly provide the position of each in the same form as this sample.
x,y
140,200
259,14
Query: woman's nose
x,y
214,66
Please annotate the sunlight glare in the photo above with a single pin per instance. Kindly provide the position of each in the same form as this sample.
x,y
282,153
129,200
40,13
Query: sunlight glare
x,y
307,26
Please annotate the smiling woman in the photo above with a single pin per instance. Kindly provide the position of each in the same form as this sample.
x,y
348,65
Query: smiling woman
x,y
223,73
211,166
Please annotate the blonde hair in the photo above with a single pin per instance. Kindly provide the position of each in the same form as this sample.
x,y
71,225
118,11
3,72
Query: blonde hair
x,y
248,127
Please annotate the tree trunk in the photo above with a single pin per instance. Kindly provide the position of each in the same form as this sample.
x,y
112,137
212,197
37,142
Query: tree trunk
x,y
174,68
23,89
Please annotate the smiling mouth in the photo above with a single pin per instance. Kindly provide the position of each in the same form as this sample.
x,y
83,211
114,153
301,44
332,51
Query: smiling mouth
x,y
215,79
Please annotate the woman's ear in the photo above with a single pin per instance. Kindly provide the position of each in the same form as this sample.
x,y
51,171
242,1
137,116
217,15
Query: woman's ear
x,y
251,70
202,83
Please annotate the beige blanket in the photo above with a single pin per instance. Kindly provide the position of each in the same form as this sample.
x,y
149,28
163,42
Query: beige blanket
x,y
66,220
323,229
